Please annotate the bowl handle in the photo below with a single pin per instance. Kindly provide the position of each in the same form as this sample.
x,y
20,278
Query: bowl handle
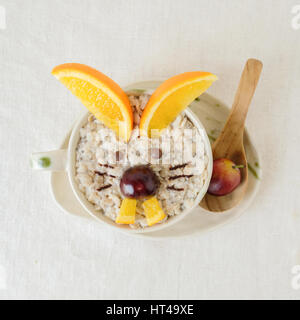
x,y
55,160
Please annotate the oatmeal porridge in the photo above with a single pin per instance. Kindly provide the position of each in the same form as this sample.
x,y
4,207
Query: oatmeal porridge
x,y
178,158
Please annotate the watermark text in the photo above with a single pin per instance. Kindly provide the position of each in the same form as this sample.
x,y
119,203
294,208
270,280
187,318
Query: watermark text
x,y
295,22
295,282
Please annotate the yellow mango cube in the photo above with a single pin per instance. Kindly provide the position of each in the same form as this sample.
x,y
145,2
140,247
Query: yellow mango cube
x,y
153,211
127,211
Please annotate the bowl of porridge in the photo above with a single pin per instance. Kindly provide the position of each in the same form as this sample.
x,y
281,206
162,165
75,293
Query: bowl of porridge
x,y
96,160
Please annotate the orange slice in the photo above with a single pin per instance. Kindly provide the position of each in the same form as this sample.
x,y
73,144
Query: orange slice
x,y
127,211
153,211
101,95
170,98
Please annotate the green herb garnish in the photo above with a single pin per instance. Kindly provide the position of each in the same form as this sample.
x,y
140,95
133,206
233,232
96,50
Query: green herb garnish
x,y
211,137
253,171
136,91
239,166
212,119
44,162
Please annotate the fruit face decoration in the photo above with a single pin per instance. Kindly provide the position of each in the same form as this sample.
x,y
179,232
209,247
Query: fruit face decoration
x,y
111,106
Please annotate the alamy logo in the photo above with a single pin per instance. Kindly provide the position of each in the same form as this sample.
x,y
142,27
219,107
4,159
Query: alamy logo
x,y
2,278
295,283
295,23
2,18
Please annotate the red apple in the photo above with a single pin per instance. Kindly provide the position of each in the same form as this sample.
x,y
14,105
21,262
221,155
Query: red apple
x,y
226,177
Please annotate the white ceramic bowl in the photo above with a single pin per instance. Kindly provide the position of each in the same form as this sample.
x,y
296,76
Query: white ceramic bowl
x,y
64,159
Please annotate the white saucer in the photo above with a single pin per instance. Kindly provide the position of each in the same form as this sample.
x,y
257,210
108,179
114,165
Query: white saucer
x,y
213,114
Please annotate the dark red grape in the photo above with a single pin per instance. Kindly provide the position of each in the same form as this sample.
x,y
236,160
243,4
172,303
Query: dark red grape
x,y
139,182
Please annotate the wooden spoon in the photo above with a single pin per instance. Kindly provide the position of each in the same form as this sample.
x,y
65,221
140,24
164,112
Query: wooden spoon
x,y
230,142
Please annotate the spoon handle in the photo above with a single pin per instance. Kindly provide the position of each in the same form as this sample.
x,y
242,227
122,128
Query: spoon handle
x,y
248,82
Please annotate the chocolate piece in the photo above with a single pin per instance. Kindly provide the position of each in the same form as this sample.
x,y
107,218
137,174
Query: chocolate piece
x,y
181,176
106,166
174,188
104,187
179,166
104,174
